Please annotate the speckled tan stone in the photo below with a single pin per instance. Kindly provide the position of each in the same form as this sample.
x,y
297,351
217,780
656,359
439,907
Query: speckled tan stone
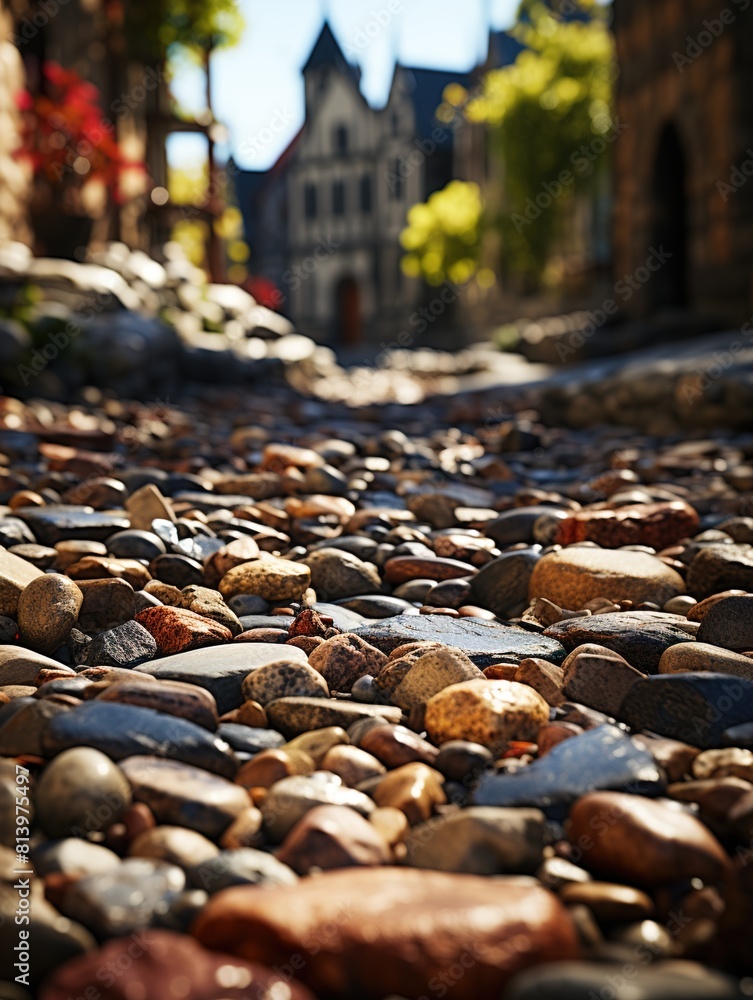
x,y
283,679
487,712
271,578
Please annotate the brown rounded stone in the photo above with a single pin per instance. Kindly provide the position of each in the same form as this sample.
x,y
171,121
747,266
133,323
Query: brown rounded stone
x,y
332,837
157,963
641,842
576,575
414,789
352,764
394,930
608,902
397,745
403,568
693,656
344,658
48,608
487,712
270,766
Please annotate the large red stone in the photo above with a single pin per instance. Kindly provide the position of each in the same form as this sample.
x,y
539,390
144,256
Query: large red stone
x,y
656,524
363,934
160,964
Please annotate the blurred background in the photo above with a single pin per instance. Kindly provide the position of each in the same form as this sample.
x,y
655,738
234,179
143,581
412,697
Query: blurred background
x,y
375,174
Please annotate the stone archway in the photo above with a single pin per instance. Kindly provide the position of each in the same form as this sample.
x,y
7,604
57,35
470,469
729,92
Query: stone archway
x,y
348,312
669,221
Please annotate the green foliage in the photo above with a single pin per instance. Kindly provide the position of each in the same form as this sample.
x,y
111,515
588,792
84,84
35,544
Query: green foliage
x,y
158,26
544,114
554,100
443,235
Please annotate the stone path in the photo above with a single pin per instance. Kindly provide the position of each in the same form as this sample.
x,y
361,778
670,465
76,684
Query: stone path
x,y
299,701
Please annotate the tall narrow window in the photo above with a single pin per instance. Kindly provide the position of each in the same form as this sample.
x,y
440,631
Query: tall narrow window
x,y
365,194
396,180
338,198
309,201
341,139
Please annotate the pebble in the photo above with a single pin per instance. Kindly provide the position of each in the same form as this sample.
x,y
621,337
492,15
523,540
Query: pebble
x,y
244,866
599,678
717,568
502,585
604,757
284,678
343,659
729,623
176,630
168,965
270,578
188,701
643,843
80,792
15,575
352,764
483,643
291,798
415,789
576,575
182,795
480,841
657,525
48,608
336,574
694,708
640,637
124,730
332,836
220,669
435,670
487,712
478,917
174,844
704,656
126,900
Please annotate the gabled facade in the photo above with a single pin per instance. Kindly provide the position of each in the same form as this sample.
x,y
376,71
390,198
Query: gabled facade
x,y
334,204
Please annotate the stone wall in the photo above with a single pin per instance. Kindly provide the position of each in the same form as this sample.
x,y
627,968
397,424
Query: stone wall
x,y
15,177
674,72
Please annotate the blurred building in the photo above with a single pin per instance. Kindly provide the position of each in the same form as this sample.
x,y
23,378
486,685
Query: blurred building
x,y
684,166
324,222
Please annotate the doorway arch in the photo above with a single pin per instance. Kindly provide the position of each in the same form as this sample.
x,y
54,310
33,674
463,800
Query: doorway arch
x,y
669,286
348,311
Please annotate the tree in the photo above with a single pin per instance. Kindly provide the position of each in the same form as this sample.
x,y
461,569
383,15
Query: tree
x,y
194,26
549,117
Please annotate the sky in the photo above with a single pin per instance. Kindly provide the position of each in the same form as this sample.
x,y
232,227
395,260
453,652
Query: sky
x,y
258,87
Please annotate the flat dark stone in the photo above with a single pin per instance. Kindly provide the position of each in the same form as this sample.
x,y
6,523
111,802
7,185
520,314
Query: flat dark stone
x,y
483,642
300,714
127,645
640,636
601,759
136,544
209,502
57,523
695,708
516,525
344,619
220,669
375,606
22,723
502,585
249,739
122,731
